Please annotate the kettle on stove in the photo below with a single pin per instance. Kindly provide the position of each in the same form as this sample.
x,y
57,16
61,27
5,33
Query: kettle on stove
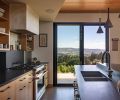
x,y
35,61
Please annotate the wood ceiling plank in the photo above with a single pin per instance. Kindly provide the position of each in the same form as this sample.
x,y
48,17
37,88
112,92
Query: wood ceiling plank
x,y
90,6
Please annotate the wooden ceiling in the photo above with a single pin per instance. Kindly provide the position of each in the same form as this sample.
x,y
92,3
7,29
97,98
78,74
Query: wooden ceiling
x,y
90,6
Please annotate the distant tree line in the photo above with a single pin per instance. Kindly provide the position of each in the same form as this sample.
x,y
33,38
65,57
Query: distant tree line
x,y
66,62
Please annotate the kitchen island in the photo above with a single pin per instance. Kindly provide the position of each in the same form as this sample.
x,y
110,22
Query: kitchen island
x,y
95,90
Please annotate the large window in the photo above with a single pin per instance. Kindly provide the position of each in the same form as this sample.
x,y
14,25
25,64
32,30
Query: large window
x,y
94,45
76,44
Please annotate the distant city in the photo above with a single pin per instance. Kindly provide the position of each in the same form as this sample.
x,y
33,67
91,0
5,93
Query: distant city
x,y
75,51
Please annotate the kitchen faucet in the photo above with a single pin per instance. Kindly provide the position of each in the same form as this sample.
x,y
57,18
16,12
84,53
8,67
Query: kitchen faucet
x,y
107,55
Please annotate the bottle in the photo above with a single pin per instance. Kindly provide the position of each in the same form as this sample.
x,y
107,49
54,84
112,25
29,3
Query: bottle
x,y
19,46
16,45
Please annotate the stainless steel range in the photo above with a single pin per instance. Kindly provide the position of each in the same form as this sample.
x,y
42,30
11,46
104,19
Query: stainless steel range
x,y
39,86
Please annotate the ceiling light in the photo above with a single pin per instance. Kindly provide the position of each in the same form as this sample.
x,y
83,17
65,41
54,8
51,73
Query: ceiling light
x,y
108,22
99,31
49,11
119,15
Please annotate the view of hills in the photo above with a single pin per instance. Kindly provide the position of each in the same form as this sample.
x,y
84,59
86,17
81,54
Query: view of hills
x,y
75,51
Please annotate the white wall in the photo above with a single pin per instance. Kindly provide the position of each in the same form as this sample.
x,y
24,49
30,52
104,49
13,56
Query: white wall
x,y
46,54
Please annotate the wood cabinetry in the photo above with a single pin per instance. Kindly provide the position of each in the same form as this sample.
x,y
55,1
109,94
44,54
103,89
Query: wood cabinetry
x,y
7,92
27,42
24,87
46,76
20,89
30,86
4,25
23,19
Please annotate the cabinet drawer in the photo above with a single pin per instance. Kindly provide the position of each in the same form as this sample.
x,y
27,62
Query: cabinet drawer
x,y
7,92
21,83
30,77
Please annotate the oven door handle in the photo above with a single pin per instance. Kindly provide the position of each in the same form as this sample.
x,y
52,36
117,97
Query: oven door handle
x,y
38,76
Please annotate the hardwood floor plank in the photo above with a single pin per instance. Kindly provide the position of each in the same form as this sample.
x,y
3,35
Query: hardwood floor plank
x,y
59,93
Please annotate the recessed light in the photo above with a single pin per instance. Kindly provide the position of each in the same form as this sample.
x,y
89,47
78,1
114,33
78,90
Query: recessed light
x,y
49,10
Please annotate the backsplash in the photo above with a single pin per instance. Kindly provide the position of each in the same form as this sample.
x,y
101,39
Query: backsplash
x,y
7,59
27,57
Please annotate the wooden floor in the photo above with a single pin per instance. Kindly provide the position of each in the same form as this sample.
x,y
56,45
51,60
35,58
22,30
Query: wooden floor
x,y
59,93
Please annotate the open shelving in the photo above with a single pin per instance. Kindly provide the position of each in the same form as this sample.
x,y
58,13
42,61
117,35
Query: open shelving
x,y
4,23
27,42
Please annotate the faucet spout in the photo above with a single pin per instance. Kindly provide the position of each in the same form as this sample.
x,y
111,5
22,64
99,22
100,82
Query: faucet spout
x,y
106,55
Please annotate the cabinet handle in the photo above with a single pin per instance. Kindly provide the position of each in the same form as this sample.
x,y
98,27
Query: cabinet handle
x,y
8,98
30,75
30,81
22,79
22,88
5,89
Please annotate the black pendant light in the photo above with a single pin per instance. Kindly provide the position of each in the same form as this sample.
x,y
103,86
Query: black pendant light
x,y
108,22
99,31
119,15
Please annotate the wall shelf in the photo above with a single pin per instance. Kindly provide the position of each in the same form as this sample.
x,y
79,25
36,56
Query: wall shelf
x,y
26,43
4,23
3,19
2,33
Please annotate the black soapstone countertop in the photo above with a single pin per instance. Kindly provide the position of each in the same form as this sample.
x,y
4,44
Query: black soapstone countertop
x,y
95,90
9,75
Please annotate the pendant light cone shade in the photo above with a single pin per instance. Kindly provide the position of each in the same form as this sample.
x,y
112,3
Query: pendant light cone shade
x,y
99,31
119,16
108,22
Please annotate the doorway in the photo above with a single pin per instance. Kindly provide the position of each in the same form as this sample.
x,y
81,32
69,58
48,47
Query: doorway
x,y
67,52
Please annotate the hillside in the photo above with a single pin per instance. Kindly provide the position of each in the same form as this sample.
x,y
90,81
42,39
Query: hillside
x,y
75,51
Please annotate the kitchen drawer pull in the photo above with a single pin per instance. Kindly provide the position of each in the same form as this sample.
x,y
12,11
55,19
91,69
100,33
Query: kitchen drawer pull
x,y
22,79
20,89
30,74
30,81
5,89
8,98
24,86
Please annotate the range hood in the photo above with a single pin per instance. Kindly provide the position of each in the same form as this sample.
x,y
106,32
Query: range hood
x,y
23,19
22,31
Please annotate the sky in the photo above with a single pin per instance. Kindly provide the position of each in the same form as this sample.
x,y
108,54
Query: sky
x,y
68,37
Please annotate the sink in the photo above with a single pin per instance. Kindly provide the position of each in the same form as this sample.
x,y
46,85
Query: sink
x,y
93,76
95,79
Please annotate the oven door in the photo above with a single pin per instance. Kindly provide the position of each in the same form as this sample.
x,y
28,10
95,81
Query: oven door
x,y
40,87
